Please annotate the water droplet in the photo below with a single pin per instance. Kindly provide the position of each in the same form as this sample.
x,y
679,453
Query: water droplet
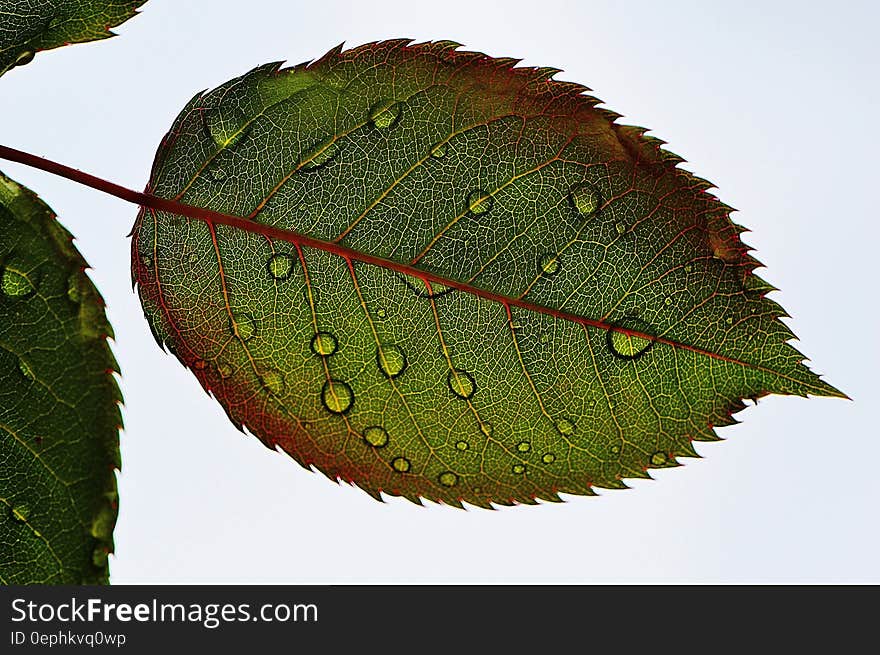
x,y
584,199
447,479
486,428
324,344
226,124
20,512
565,427
73,291
439,151
615,449
242,326
548,458
15,285
99,556
337,396
621,227
273,381
462,383
519,469
25,57
384,115
729,320
280,266
224,369
401,464
479,202
320,155
217,173
376,436
626,345
381,313
462,445
549,264
200,364
523,446
26,369
391,359
659,459
667,301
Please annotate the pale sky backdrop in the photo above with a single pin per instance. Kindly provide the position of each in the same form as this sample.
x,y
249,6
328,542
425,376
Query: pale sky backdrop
x,y
775,102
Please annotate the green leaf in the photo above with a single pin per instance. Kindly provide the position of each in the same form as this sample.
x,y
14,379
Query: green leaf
x,y
458,280
29,26
59,403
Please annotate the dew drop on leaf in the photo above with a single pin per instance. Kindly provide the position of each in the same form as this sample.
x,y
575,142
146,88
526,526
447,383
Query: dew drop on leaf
x,y
447,479
376,436
26,369
337,396
384,115
565,427
479,202
615,449
20,512
462,383
518,469
381,313
320,155
226,125
73,284
524,446
549,264
548,458
15,285
626,345
324,344
659,459
391,359
462,445
439,151
99,556
242,326
584,199
280,266
25,57
401,464
273,382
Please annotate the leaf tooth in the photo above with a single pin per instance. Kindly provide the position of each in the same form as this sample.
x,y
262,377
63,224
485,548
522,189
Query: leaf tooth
x,y
444,45
546,72
607,114
507,63
575,89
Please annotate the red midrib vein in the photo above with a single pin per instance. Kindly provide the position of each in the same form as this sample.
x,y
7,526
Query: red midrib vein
x,y
349,254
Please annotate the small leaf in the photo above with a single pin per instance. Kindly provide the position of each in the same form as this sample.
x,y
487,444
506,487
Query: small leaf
x,y
59,404
30,27
458,280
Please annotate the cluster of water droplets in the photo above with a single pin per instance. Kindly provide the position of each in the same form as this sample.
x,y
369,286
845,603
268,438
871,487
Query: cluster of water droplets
x,y
628,341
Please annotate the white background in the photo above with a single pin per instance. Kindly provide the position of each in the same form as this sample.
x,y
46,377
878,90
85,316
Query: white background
x,y
777,103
